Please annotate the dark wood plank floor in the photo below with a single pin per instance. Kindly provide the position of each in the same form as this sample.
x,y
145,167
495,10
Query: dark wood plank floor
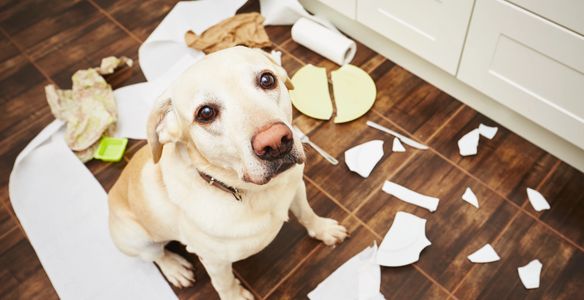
x,y
45,42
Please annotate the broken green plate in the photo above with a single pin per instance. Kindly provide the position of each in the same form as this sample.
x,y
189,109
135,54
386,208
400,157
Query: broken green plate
x,y
111,149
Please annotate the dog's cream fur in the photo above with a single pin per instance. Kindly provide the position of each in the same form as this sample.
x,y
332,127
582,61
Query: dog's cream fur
x,y
160,196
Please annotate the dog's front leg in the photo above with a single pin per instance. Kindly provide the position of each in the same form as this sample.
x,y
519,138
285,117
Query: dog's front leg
x,y
223,280
327,230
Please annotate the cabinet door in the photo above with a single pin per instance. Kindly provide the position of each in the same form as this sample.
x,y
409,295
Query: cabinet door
x,y
432,29
346,7
529,64
568,13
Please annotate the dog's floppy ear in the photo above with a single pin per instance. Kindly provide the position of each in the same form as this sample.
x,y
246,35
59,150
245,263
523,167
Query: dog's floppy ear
x,y
281,71
163,127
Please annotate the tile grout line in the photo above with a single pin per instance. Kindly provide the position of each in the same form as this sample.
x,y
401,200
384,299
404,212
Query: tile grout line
x,y
490,188
362,223
298,265
115,21
245,283
543,181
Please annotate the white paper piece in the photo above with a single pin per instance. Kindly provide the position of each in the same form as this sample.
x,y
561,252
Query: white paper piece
x,y
320,39
468,144
409,196
530,273
287,12
362,159
484,255
63,210
404,241
397,146
165,47
537,200
358,278
470,197
487,131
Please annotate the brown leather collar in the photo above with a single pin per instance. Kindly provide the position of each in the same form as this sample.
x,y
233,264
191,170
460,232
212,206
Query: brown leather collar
x,y
222,186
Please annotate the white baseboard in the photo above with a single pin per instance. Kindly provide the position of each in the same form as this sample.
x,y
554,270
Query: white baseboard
x,y
522,126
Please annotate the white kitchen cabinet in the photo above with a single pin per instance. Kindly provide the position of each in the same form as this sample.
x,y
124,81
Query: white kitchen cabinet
x,y
529,64
432,29
346,7
568,13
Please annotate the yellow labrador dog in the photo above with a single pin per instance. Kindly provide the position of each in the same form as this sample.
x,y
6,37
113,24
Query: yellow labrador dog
x,y
219,174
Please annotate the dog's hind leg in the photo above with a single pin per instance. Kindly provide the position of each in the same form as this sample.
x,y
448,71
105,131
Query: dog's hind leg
x,y
223,280
327,230
131,238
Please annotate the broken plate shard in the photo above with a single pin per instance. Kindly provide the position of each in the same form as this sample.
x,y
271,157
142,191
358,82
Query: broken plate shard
x,y
409,196
484,255
470,197
530,273
404,241
487,131
311,94
341,284
537,200
362,159
354,92
397,146
404,139
468,144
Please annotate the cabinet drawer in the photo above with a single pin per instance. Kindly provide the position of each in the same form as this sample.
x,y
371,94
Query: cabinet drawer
x,y
568,13
433,29
346,7
529,64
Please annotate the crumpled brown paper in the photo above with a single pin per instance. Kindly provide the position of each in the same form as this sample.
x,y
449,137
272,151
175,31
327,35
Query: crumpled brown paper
x,y
88,108
242,29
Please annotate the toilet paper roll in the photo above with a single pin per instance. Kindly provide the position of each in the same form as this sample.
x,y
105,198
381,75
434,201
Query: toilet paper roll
x,y
323,41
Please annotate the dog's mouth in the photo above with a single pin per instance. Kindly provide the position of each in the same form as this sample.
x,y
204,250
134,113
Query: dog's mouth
x,y
276,167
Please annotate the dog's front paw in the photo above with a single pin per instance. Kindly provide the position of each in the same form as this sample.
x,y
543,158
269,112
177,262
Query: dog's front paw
x,y
329,231
237,292
176,269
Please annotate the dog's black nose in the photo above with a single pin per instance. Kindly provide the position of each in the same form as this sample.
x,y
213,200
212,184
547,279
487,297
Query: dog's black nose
x,y
272,142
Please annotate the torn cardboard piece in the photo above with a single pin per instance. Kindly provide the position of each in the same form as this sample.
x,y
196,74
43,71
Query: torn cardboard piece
x,y
362,159
470,197
530,274
485,254
311,94
354,92
537,200
404,241
242,29
409,196
358,278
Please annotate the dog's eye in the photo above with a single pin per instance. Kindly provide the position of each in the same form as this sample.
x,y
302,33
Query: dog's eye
x,y
206,114
267,81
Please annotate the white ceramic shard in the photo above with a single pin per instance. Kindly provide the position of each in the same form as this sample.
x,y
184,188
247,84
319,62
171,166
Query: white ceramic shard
x,y
362,159
537,200
470,197
487,131
484,255
404,241
530,273
409,196
277,56
358,278
468,144
397,146
406,140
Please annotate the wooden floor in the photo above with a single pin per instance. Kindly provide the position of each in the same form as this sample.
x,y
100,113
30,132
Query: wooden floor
x,y
44,42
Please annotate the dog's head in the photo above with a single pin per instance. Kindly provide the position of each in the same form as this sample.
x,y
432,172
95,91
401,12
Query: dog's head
x,y
232,111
